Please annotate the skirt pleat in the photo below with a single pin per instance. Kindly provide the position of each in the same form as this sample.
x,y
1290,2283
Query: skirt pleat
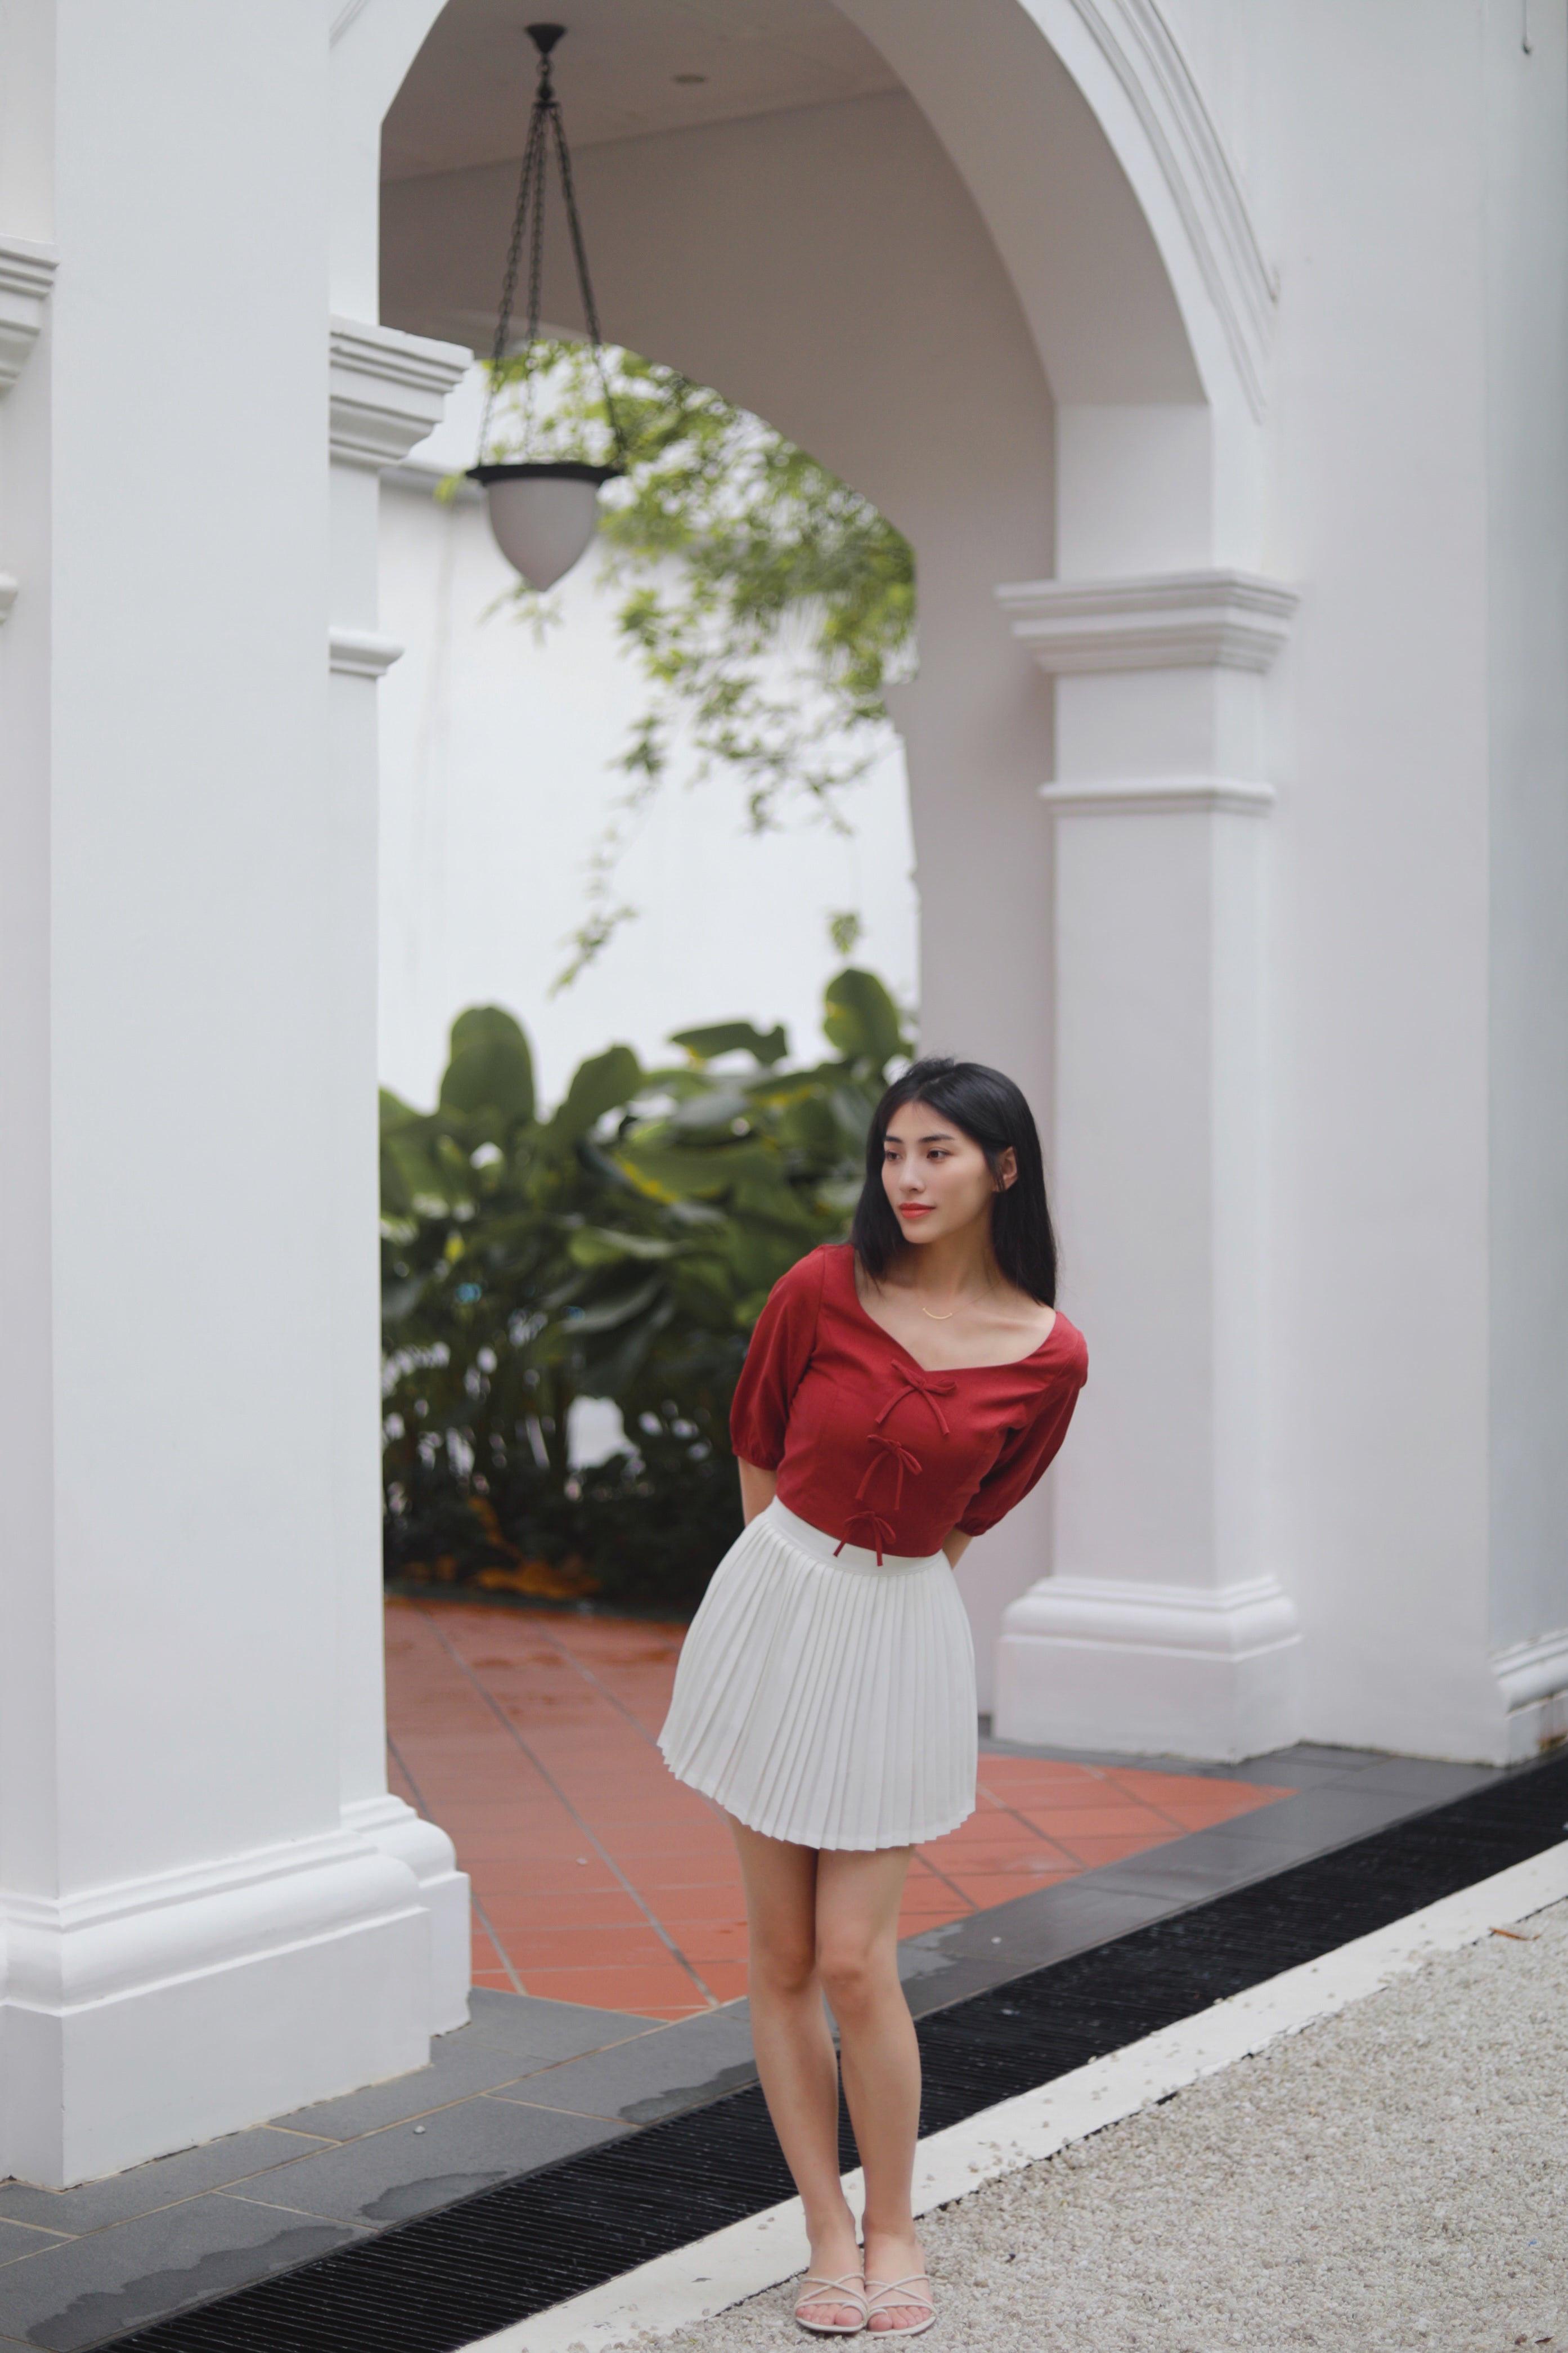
x,y
828,1699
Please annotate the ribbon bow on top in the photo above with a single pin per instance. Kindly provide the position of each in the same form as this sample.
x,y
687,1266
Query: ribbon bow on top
x,y
880,1533
924,1384
892,1452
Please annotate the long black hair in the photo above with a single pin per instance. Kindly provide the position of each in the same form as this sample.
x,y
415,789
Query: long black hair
x,y
992,1112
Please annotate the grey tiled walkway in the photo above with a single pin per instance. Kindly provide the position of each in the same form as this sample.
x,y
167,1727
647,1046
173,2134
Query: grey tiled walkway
x,y
527,2082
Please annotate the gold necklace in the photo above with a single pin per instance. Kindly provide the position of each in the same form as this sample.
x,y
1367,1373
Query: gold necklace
x,y
939,1319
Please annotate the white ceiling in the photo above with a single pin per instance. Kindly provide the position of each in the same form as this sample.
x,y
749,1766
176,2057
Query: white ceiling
x,y
466,97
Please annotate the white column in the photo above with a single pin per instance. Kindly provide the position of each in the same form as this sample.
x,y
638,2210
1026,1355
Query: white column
x,y
1162,1628
387,391
27,273
190,1937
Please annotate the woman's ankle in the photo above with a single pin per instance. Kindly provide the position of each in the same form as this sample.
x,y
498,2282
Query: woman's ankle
x,y
896,2234
832,2229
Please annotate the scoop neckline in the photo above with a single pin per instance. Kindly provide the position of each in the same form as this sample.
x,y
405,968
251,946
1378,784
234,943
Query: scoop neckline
x,y
1005,1364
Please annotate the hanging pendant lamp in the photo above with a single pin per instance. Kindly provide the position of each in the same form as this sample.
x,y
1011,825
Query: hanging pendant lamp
x,y
543,513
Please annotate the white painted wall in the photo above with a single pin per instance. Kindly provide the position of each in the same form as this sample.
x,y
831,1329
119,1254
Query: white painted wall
x,y
1419,476
497,749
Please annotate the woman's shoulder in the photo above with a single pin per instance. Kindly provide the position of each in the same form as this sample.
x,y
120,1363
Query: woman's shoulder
x,y
806,1278
1064,1352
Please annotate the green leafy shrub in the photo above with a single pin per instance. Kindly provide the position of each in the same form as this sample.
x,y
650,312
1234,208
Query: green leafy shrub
x,y
621,1246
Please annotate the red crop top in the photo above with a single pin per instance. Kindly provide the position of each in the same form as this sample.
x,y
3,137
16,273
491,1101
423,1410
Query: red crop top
x,y
871,1448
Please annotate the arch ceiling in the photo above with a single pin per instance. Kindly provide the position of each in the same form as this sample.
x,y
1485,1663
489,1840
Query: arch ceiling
x,y
1074,123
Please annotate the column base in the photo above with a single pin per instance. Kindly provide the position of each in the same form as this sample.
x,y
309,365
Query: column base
x,y
429,1854
1533,1678
1150,1670
144,2017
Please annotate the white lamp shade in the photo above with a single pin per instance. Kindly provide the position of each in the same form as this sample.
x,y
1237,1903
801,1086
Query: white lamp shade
x,y
543,516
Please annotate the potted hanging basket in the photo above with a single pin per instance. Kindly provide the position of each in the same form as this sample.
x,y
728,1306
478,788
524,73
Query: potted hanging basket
x,y
543,511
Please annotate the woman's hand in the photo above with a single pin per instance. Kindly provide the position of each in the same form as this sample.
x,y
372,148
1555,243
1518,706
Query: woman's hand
x,y
757,1489
955,1545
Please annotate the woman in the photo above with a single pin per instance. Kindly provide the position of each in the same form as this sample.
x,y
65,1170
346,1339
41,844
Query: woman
x,y
901,1393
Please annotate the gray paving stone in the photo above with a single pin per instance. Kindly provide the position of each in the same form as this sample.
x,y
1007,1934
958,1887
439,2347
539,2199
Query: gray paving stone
x,y
967,1957
17,2241
1292,1772
540,2033
81,2291
1316,1752
1425,1776
1193,1868
1308,1823
98,2204
389,2176
696,2059
461,2063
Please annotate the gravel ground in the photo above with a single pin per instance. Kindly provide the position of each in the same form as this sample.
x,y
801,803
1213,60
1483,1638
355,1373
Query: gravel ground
x,y
1393,2177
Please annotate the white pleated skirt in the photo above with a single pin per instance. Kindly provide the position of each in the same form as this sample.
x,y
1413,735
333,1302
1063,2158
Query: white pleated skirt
x,y
825,1699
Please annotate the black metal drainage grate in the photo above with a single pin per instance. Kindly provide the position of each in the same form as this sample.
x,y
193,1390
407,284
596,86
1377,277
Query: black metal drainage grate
x,y
472,2268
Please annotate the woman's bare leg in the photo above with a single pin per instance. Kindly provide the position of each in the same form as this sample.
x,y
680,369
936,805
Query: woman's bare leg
x,y
857,1898
795,2058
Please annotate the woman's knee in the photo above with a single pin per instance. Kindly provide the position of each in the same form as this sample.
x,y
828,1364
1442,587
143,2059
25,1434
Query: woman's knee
x,y
855,1976
781,1965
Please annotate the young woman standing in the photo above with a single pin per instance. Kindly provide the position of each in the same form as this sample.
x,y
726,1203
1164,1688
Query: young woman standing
x,y
902,1392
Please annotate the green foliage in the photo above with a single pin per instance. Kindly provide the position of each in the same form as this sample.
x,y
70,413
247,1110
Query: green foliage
x,y
621,1248
731,549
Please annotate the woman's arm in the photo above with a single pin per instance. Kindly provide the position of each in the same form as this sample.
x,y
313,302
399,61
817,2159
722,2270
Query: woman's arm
x,y
955,1545
757,1488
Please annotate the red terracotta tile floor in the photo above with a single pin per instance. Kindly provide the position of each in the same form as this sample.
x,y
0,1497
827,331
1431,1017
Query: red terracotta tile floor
x,y
598,1878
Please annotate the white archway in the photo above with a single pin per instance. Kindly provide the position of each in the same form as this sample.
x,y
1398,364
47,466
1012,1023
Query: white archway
x,y
1017,300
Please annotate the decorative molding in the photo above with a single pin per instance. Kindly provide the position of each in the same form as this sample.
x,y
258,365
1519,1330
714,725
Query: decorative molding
x,y
1136,44
395,1829
1173,620
27,274
1533,1680
62,1953
361,653
1158,797
1221,1621
1133,1665
1533,1670
387,391
7,594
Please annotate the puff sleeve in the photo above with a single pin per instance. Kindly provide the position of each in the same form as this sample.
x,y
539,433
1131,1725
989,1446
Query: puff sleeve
x,y
780,1351
1028,1453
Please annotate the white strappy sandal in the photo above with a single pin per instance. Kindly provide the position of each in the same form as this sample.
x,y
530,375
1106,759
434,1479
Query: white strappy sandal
x,y
886,2296
850,2289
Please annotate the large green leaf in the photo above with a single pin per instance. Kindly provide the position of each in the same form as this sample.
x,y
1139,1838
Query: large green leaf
x,y
734,1038
690,1171
862,1020
599,1246
609,1315
716,1109
490,1069
602,1083
409,1173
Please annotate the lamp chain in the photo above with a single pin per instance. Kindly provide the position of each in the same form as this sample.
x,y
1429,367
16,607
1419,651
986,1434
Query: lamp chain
x,y
544,118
